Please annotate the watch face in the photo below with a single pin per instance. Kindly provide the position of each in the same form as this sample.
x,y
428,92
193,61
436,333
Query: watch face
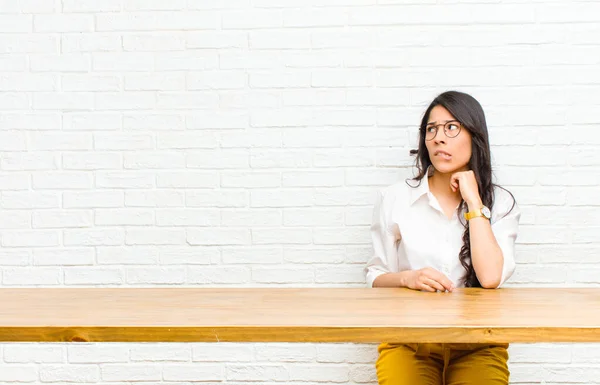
x,y
486,212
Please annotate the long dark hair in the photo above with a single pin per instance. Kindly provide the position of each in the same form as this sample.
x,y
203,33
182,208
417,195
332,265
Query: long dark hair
x,y
467,110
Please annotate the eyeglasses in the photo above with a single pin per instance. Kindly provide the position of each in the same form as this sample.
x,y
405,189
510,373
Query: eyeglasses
x,y
451,129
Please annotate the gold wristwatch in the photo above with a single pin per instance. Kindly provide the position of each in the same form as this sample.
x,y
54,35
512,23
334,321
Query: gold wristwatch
x,y
482,212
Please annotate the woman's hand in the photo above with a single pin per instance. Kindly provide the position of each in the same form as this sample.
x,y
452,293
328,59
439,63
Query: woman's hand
x,y
465,182
428,279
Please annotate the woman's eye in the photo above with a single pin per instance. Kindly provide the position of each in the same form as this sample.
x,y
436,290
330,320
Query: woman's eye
x,y
453,127
430,129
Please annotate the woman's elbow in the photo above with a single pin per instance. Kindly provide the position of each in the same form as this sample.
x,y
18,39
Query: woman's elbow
x,y
490,282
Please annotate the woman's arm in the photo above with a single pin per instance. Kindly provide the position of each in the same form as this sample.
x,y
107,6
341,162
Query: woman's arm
x,y
486,255
391,280
492,245
427,279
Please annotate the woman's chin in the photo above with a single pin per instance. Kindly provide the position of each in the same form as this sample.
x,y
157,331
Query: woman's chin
x,y
448,167
445,168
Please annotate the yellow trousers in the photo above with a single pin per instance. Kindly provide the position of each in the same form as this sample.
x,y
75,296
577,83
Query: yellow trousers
x,y
442,364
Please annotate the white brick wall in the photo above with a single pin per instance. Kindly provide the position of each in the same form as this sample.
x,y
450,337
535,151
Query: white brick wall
x,y
239,143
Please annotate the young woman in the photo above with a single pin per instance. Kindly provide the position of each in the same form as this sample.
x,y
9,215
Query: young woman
x,y
450,227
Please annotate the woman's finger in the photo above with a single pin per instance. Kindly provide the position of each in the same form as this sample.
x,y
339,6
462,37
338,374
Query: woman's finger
x,y
434,284
442,280
427,288
454,182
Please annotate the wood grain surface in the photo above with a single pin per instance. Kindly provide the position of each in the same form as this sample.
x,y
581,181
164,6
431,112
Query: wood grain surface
x,y
299,315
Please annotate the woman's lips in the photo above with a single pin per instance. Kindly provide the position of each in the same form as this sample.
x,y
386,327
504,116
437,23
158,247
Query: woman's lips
x,y
443,155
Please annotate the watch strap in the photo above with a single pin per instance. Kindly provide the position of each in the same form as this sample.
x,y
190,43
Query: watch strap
x,y
473,214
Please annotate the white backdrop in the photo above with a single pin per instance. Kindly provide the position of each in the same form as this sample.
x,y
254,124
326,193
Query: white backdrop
x,y
240,143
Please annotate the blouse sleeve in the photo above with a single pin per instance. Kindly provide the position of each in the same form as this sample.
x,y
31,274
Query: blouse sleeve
x,y
505,230
384,258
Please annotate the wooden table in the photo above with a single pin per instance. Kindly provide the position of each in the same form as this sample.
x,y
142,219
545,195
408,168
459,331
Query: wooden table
x,y
299,315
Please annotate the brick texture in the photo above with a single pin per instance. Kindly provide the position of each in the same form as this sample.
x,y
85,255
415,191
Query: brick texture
x,y
241,143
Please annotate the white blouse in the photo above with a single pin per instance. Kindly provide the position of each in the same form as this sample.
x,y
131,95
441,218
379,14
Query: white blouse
x,y
410,231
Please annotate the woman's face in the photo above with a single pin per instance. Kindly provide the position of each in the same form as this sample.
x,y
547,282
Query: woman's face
x,y
447,155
